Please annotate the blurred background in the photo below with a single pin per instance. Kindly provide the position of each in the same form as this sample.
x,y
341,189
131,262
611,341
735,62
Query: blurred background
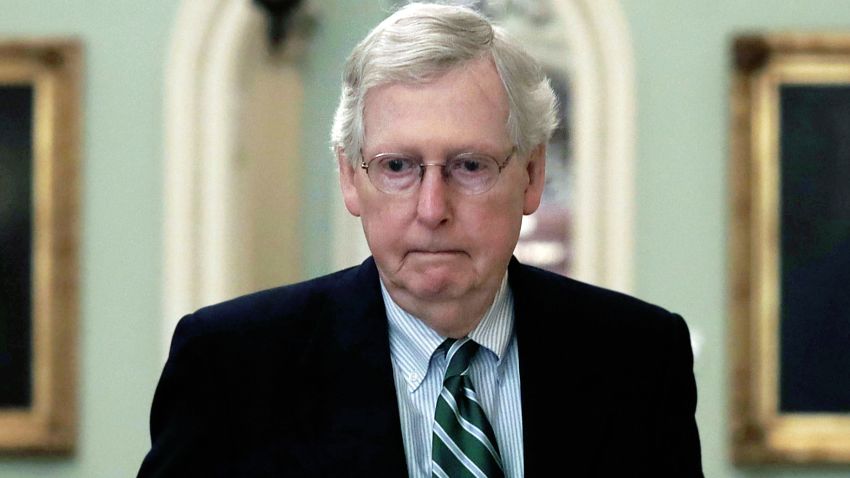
x,y
206,173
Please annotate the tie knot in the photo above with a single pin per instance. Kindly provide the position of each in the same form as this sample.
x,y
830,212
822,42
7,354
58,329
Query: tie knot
x,y
459,353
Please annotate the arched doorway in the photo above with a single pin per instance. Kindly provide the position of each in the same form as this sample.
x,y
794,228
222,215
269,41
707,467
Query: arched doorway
x,y
233,200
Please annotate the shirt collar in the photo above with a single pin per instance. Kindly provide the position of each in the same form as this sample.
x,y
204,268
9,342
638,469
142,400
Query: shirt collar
x,y
412,343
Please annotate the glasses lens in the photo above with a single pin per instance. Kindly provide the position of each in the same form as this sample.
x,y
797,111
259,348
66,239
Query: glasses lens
x,y
473,173
393,173
467,173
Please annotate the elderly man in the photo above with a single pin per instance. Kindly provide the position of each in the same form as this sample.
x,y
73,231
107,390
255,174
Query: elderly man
x,y
441,355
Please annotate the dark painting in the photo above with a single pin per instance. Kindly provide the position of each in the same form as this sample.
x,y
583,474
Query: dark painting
x,y
16,168
815,249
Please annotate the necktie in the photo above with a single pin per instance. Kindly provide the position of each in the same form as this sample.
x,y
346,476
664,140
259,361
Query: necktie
x,y
463,444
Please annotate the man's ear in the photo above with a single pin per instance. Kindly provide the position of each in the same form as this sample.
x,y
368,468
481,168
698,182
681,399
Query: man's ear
x,y
536,170
346,182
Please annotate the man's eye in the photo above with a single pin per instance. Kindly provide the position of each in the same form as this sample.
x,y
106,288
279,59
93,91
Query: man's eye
x,y
468,165
397,164
471,165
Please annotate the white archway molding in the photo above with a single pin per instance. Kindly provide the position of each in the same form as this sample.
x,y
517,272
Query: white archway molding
x,y
201,138
604,128
200,144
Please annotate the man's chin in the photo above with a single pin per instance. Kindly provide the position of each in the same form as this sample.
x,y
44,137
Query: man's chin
x,y
434,287
432,276
434,283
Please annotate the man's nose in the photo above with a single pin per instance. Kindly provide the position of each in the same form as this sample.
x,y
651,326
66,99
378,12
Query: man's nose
x,y
433,207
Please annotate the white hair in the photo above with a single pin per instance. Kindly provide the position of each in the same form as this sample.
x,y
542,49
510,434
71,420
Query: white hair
x,y
421,41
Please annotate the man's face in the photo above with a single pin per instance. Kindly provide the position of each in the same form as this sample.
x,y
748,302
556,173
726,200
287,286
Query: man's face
x,y
434,243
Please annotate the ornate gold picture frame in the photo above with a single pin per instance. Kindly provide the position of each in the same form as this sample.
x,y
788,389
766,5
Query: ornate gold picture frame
x,y
790,249
39,244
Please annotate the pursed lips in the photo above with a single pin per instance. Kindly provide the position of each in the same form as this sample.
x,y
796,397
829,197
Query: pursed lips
x,y
436,252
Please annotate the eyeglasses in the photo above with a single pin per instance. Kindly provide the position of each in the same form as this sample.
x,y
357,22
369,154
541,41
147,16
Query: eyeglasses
x,y
468,173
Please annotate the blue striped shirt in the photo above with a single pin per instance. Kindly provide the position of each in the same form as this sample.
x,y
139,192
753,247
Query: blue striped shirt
x,y
418,374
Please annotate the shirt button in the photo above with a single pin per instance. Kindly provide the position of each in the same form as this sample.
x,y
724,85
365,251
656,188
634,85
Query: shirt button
x,y
413,377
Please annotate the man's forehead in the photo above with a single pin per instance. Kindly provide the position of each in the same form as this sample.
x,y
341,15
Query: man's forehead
x,y
474,86
482,71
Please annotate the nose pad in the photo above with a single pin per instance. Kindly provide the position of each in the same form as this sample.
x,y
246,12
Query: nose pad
x,y
423,169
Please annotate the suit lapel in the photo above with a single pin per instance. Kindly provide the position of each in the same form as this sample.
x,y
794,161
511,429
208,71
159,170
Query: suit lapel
x,y
360,433
562,419
354,425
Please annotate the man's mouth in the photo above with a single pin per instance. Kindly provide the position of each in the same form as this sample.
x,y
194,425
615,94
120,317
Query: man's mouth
x,y
436,251
435,254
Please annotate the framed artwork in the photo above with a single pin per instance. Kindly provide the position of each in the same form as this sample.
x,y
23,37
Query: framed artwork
x,y
790,249
39,215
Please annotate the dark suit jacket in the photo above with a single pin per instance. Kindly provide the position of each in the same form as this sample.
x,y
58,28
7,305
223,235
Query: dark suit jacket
x,y
297,381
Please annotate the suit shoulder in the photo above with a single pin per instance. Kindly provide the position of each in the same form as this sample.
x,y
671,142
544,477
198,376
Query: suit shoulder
x,y
591,304
558,288
284,309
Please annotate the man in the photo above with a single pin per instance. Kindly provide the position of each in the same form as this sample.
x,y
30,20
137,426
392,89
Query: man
x,y
441,355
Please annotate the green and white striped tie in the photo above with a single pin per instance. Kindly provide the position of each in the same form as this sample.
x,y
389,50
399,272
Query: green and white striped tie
x,y
463,444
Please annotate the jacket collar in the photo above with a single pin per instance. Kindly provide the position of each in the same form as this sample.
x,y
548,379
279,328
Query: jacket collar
x,y
358,432
552,340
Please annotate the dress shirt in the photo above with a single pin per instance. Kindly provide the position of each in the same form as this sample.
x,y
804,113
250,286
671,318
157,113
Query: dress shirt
x,y
418,372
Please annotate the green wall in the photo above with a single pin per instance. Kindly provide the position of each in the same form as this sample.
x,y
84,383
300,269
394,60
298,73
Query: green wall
x,y
683,79
125,45
682,63
342,24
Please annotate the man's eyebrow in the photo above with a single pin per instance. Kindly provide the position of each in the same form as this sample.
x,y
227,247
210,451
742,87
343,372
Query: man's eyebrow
x,y
471,147
397,152
482,148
